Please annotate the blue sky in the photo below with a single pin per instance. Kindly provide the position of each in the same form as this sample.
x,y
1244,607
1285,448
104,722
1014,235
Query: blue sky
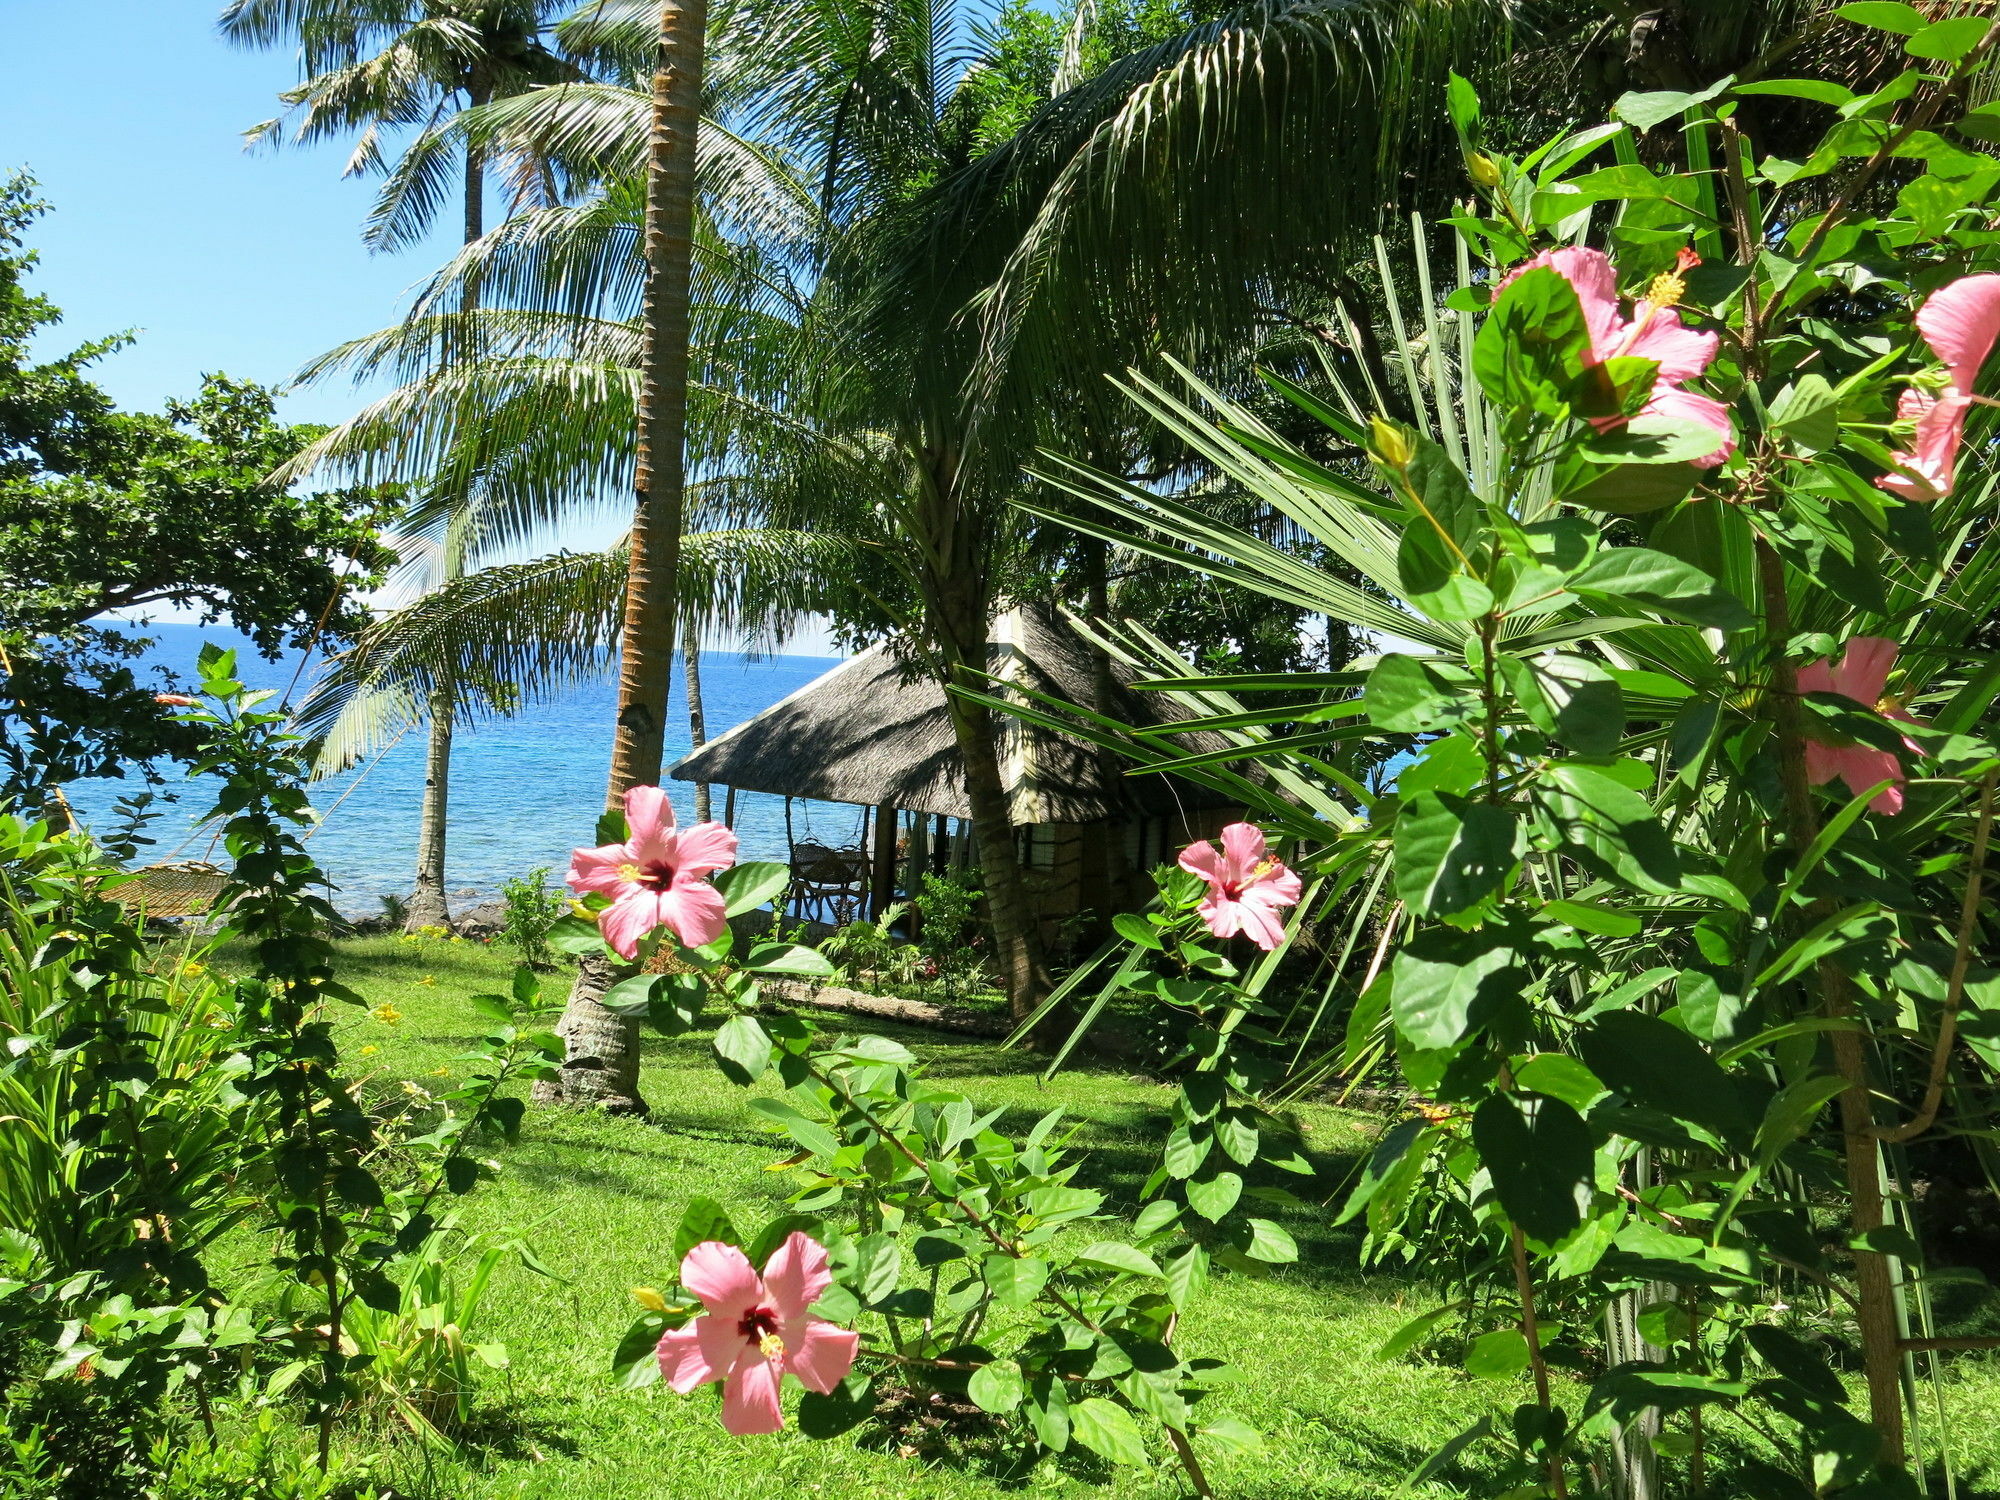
x,y
130,112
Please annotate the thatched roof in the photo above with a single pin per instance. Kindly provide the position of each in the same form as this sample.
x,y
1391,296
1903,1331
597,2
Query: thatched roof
x,y
873,731
184,889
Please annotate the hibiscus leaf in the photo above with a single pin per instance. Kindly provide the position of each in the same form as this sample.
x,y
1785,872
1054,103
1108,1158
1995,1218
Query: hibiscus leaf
x,y
746,887
633,996
1452,853
997,1387
787,958
1108,1430
742,1050
1664,584
701,1221
1540,1156
839,1410
1439,976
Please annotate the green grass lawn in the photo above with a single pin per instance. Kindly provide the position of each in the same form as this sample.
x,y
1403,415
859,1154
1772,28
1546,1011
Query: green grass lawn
x,y
599,1199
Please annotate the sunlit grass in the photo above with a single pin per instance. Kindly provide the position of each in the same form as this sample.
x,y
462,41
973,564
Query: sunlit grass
x,y
599,1197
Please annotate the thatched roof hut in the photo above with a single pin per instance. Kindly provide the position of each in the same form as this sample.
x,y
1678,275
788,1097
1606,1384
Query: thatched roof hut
x,y
875,732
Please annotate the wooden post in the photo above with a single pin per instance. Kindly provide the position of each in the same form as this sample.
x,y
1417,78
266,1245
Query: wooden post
x,y
919,865
884,882
729,811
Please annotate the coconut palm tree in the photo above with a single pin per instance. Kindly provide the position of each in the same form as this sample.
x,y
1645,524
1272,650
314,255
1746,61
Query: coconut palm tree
x,y
371,68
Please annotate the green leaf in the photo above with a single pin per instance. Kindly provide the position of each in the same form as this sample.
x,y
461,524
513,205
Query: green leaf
x,y
1136,929
742,1050
1643,111
878,1265
1452,854
1187,1274
1588,916
633,996
787,958
1572,698
1232,1435
1539,1154
746,887
808,1132
1666,585
1791,1113
1560,1076
701,1221
1440,975
1611,826
1660,1066
1950,39
1407,696
1269,1242
1533,344
1498,1355
636,1361
1015,1280
1107,1429
997,1387
1885,15
1186,1148
572,934
1212,1197
1116,1257
1816,89
1416,1331
839,1410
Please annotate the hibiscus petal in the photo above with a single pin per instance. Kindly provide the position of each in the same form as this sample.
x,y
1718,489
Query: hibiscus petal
x,y
1960,322
820,1354
683,1363
1863,766
1201,859
1261,922
722,1276
1863,673
626,922
1932,458
1692,406
695,911
1281,888
1680,352
598,869
750,1399
796,1274
704,847
1222,916
648,810
1243,849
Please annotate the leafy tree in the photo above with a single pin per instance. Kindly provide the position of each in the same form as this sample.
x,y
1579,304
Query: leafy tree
x,y
105,510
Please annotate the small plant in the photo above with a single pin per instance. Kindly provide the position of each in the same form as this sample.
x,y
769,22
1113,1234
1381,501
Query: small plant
x,y
533,909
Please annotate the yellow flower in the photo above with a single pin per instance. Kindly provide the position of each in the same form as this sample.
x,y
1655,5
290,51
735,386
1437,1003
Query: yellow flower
x,y
440,1072
192,970
428,979
649,1297
370,1050
386,1013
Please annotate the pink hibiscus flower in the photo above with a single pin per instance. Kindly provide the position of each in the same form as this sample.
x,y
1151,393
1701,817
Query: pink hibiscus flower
x,y
1959,322
1247,885
1862,677
1654,331
656,878
756,1330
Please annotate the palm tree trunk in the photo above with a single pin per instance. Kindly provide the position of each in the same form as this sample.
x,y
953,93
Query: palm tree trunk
x,y
428,906
961,626
602,1066
697,719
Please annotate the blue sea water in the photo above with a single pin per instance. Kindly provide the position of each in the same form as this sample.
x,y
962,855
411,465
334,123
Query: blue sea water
x,y
524,790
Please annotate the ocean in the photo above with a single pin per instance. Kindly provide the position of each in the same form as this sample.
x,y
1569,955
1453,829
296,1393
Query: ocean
x,y
524,789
